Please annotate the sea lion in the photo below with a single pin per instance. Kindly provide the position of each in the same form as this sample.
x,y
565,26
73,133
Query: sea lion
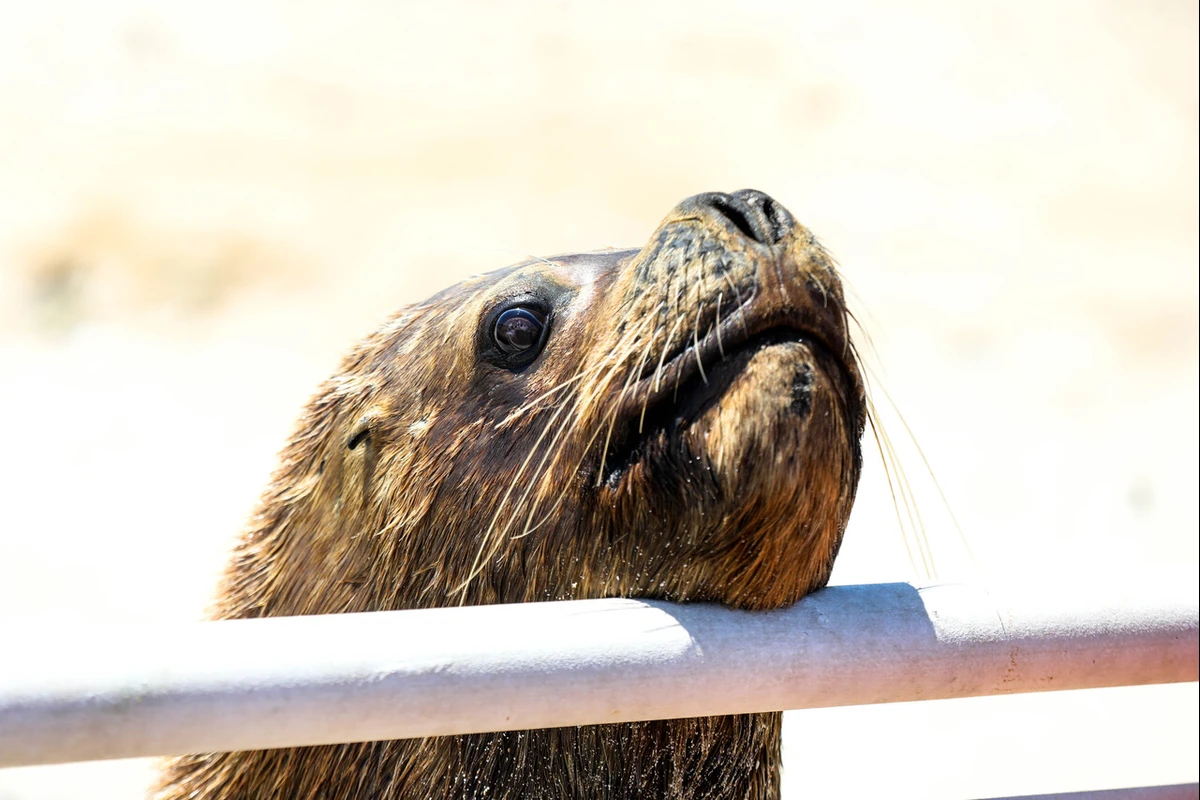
x,y
680,422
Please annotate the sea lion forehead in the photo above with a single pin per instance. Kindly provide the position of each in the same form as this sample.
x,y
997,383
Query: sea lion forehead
x,y
454,314
572,271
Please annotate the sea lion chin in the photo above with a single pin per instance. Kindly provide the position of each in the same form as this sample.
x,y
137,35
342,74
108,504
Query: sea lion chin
x,y
679,422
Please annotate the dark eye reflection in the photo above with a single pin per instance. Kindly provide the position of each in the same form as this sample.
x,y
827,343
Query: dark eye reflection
x,y
518,330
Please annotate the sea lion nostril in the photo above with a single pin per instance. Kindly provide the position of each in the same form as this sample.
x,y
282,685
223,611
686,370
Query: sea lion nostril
x,y
754,213
778,220
739,213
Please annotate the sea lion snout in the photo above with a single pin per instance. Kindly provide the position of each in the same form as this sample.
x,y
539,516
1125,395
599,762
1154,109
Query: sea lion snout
x,y
755,214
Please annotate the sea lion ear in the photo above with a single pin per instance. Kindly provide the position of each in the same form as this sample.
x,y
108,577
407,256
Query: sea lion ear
x,y
363,429
358,436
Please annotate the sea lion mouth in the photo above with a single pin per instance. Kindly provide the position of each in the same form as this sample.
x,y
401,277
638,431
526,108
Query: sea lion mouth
x,y
670,395
700,355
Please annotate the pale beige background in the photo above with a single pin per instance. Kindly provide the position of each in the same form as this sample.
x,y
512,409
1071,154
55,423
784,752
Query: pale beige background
x,y
202,204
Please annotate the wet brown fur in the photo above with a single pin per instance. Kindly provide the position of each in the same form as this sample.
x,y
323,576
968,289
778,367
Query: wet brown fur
x,y
423,474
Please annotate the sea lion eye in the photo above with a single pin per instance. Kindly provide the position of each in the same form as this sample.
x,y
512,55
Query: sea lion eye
x,y
518,330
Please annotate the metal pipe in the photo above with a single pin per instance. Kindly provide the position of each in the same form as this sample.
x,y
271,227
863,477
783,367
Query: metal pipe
x,y
1176,791
122,691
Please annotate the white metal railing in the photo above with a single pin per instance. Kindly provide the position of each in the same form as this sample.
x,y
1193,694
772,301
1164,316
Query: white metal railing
x,y
1176,791
121,691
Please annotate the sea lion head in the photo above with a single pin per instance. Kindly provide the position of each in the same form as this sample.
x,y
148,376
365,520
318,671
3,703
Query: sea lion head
x,y
680,421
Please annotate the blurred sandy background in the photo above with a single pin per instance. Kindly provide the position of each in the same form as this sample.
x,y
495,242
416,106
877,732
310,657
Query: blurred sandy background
x,y
202,205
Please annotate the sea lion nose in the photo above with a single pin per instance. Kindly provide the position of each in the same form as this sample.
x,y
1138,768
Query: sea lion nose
x,y
779,220
754,213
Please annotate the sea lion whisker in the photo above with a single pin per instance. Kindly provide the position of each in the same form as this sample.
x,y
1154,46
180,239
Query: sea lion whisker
x,y
619,356
601,386
820,284
717,325
545,518
540,476
900,490
489,542
911,501
626,348
578,464
862,341
850,291
548,451
578,376
611,362
888,453
630,379
609,427
928,469
849,350
737,293
666,348
645,395
696,349
887,474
